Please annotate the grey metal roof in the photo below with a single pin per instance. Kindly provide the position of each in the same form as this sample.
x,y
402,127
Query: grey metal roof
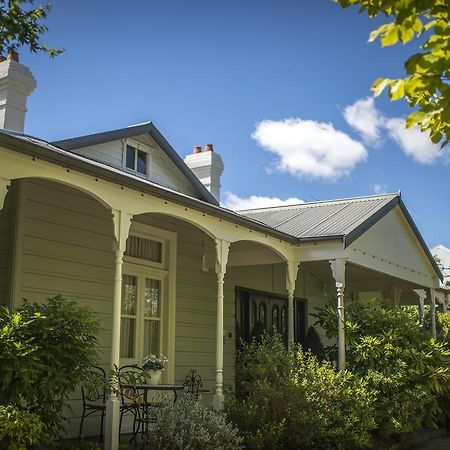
x,y
138,130
323,219
345,219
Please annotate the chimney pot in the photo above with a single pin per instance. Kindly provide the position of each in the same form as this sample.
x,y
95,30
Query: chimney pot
x,y
13,55
207,167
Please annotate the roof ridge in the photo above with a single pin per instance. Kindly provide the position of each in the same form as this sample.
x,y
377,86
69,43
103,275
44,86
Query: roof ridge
x,y
318,202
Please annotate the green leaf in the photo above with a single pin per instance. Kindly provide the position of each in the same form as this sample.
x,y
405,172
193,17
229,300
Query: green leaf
x,y
415,118
379,85
397,90
390,36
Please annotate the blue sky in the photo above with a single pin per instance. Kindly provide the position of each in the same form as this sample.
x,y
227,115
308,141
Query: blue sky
x,y
281,88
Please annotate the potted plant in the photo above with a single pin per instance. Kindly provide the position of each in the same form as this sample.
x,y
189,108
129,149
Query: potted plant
x,y
154,366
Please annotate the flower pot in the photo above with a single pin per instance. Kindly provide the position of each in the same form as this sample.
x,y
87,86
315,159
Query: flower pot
x,y
155,377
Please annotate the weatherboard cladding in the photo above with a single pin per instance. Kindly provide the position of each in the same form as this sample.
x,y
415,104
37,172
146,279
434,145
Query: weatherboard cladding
x,y
321,219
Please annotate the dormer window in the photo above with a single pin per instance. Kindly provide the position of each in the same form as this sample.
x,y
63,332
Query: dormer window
x,y
136,160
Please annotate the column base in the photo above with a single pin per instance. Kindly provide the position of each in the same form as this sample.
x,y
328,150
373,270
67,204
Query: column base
x,y
218,400
112,423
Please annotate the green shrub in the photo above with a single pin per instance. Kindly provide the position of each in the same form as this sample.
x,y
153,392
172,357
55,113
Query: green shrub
x,y
290,400
187,424
45,352
19,429
313,343
407,369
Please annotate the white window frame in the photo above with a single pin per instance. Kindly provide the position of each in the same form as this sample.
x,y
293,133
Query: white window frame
x,y
138,146
166,273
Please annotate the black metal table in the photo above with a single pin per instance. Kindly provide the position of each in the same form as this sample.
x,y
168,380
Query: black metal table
x,y
144,405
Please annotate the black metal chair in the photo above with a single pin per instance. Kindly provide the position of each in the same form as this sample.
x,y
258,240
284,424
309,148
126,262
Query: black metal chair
x,y
130,397
193,383
93,393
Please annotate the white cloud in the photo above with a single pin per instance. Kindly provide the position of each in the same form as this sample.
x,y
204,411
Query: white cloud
x,y
232,201
413,142
306,148
365,118
379,188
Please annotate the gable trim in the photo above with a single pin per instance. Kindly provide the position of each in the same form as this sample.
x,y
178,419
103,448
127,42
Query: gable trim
x,y
372,220
136,130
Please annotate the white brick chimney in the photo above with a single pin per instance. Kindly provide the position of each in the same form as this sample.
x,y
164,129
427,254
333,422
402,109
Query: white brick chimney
x,y
16,84
208,167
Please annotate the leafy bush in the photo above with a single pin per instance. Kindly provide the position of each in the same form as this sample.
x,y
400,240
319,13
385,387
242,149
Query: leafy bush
x,y
45,352
19,429
187,424
313,343
402,363
290,400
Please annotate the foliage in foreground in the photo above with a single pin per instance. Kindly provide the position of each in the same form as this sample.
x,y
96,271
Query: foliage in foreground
x,y
21,25
407,369
19,429
425,86
45,352
189,425
290,400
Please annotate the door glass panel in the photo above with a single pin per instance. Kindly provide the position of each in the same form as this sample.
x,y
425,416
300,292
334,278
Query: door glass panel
x,y
151,337
152,298
129,292
127,337
262,315
275,318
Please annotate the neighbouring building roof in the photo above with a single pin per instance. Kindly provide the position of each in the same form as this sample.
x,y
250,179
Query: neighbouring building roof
x,y
138,130
442,254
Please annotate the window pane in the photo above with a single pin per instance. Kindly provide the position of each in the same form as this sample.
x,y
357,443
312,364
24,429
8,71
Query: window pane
x,y
142,162
151,337
127,335
131,157
129,288
144,249
152,298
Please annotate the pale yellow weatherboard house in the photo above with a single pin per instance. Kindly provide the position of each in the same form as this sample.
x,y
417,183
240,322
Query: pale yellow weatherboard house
x,y
119,222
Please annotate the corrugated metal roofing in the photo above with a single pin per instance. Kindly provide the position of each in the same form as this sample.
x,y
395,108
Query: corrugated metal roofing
x,y
321,219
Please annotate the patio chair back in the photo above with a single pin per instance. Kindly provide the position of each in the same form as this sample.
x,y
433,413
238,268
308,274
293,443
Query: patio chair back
x,y
193,383
131,375
94,389
93,393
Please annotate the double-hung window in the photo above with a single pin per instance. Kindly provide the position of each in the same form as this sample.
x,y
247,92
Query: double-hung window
x,y
141,327
136,158
147,289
